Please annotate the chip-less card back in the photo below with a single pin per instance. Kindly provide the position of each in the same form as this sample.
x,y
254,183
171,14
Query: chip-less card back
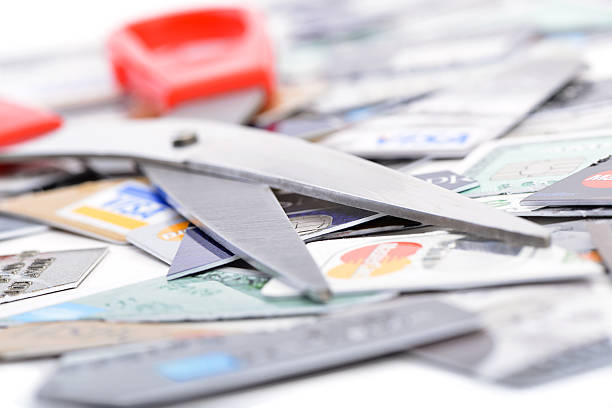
x,y
436,261
106,209
524,166
590,186
161,240
33,273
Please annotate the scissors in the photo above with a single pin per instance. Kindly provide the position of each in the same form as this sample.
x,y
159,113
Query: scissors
x,y
219,175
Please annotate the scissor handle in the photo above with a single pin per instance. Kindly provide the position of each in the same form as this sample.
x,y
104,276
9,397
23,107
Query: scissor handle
x,y
175,58
19,123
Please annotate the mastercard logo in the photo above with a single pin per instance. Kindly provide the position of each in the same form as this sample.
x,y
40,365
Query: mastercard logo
x,y
599,180
374,260
174,232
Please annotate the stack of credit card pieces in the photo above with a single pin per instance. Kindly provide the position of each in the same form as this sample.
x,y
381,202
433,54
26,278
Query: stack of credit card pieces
x,y
448,194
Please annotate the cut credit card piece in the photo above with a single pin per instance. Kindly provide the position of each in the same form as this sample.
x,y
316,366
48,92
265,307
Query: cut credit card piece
x,y
198,252
315,223
14,227
510,203
25,177
449,180
573,235
105,210
311,218
225,293
384,225
573,211
162,240
600,232
584,104
60,80
436,261
590,186
247,219
33,273
177,370
36,340
523,166
453,122
531,334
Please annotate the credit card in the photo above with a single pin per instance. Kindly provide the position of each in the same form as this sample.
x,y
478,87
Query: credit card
x,y
527,165
531,334
577,212
600,232
162,240
225,293
36,340
198,252
14,227
61,80
315,223
384,225
172,371
589,187
510,203
448,180
106,209
33,273
288,100
453,122
436,261
25,177
573,235
583,105
310,217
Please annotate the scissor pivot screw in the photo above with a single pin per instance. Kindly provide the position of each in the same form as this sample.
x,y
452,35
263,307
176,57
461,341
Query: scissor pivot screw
x,y
185,138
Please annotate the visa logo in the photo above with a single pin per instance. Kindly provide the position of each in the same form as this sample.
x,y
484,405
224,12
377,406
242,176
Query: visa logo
x,y
423,138
135,202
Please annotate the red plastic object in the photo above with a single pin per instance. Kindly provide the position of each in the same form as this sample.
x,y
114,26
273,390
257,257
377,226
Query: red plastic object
x,y
18,123
175,58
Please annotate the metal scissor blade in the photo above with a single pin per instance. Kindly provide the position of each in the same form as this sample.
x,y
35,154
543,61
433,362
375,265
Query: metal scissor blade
x,y
279,161
247,219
